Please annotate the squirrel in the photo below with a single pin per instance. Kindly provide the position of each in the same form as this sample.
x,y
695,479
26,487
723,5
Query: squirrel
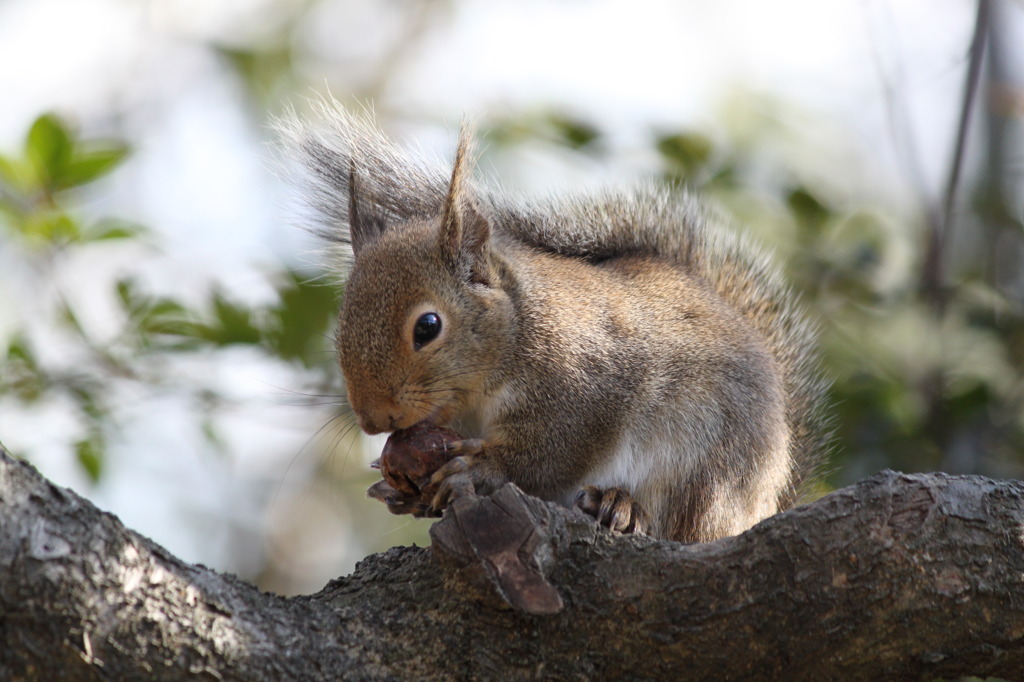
x,y
627,353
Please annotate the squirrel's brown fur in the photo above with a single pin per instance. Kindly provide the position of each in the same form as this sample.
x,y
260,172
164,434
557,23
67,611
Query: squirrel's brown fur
x,y
628,344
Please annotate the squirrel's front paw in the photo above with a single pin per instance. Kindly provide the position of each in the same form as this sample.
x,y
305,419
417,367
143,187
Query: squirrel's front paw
x,y
614,508
409,460
466,474
399,502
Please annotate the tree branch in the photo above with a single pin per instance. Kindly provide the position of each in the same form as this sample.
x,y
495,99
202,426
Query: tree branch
x,y
897,577
933,284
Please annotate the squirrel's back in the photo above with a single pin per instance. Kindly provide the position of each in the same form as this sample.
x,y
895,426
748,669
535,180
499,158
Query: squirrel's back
x,y
672,223
649,222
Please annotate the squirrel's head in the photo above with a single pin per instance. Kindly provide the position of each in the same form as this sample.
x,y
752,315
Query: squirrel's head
x,y
425,316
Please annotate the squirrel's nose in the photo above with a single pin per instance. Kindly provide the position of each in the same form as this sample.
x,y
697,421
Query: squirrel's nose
x,y
375,413
379,420
388,420
373,424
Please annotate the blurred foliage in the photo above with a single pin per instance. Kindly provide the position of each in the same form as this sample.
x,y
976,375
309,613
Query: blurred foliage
x,y
923,380
39,222
552,127
53,162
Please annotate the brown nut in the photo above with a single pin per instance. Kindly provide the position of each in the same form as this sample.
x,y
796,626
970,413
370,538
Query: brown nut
x,y
412,455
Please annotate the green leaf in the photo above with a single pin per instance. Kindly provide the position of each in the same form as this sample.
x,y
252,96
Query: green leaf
x,y
112,229
8,171
688,153
14,204
68,316
126,292
573,133
725,177
166,316
262,66
211,433
49,146
19,351
90,456
304,315
237,326
14,180
49,228
235,323
62,229
114,233
166,306
808,209
20,374
88,165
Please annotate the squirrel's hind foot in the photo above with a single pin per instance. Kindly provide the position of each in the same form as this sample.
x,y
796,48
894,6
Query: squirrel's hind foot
x,y
614,508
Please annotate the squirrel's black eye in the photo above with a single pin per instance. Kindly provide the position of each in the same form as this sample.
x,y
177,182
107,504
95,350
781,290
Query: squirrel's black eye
x,y
428,326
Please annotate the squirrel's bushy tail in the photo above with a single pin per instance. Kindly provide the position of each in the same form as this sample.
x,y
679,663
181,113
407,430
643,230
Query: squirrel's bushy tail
x,y
657,221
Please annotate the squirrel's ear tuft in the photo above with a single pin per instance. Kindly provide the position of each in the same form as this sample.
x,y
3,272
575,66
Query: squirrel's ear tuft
x,y
465,231
365,224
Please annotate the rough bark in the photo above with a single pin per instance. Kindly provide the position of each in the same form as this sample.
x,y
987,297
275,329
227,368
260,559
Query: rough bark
x,y
897,577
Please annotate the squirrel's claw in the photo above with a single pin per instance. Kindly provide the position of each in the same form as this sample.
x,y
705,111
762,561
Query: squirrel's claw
x,y
398,502
452,480
466,446
614,508
464,475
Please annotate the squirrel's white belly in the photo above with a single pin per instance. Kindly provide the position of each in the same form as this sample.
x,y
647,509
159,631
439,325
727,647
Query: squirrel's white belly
x,y
655,465
641,463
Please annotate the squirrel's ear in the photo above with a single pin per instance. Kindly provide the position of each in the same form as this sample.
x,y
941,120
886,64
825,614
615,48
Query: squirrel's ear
x,y
365,223
465,231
